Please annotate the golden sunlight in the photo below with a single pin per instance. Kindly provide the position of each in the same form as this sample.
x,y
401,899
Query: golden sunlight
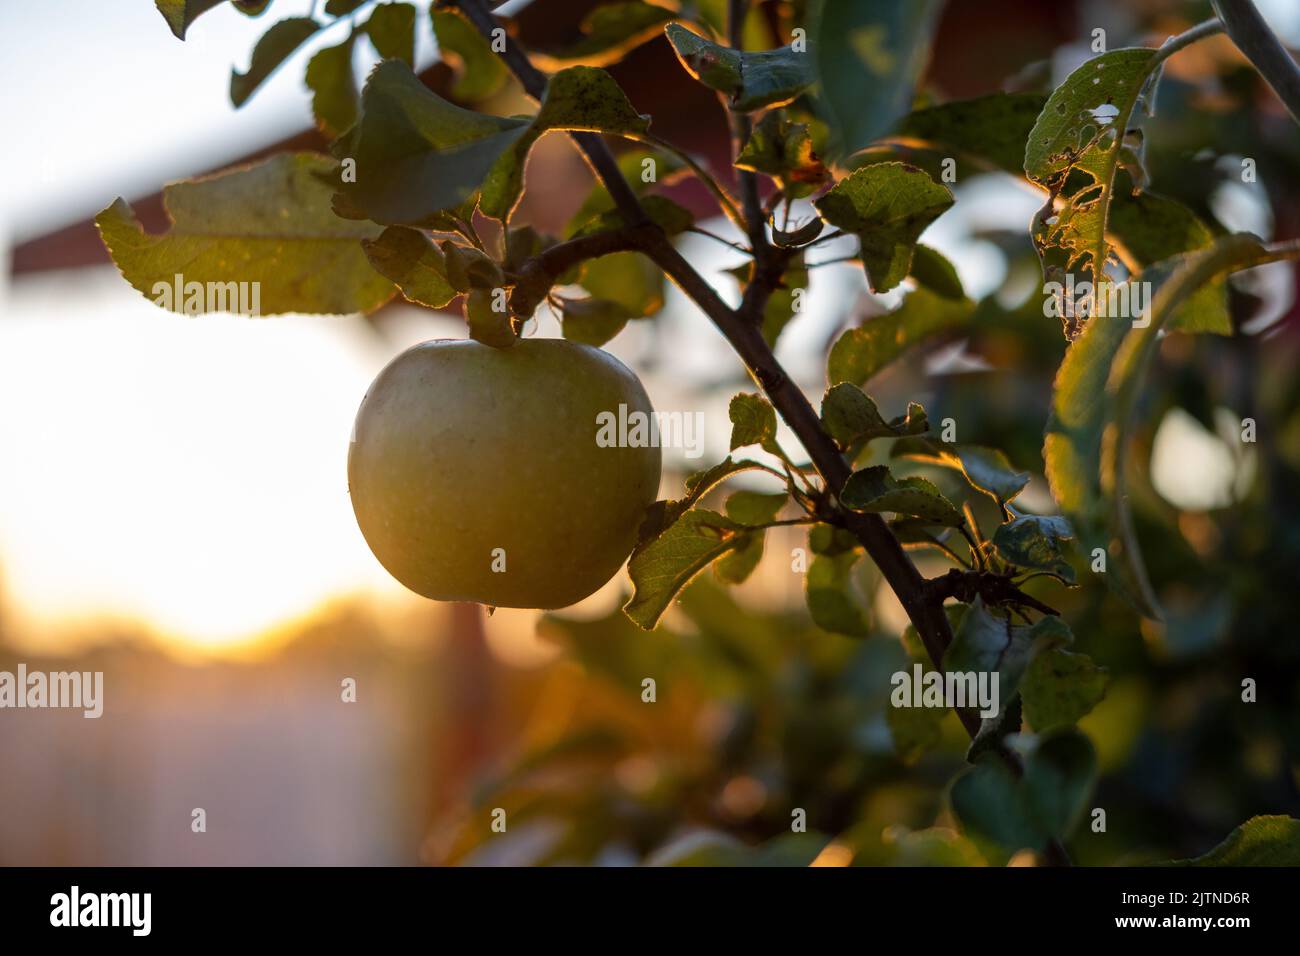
x,y
186,474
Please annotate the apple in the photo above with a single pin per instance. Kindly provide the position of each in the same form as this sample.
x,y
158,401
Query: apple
x,y
476,474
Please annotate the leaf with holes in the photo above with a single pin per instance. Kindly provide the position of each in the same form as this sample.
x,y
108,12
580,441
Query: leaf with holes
x,y
269,224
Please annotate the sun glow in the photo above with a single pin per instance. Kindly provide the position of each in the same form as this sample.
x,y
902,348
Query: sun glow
x,y
189,474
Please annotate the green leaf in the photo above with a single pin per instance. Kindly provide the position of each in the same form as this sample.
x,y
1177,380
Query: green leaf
x,y
850,416
579,98
1152,229
990,129
1081,131
868,56
1004,814
875,490
755,507
989,471
1129,367
632,164
275,46
932,270
334,87
416,154
1059,688
888,206
661,515
861,352
391,29
783,149
628,279
608,32
179,14
983,642
753,422
1260,841
468,268
593,321
662,211
338,8
668,563
409,259
269,223
481,71
1094,395
487,324
829,592
915,730
1034,542
752,80
735,566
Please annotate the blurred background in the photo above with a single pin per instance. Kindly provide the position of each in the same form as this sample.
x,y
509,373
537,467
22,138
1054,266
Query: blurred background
x,y
174,508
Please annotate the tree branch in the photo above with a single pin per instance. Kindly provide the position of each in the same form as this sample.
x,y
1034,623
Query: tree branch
x,y
741,328
741,127
1254,38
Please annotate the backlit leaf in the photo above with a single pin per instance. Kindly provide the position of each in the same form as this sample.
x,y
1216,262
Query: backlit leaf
x,y
1034,542
863,351
391,29
829,592
268,223
608,32
876,491
334,87
1260,841
416,265
667,564
868,55
888,206
275,46
753,422
481,71
752,80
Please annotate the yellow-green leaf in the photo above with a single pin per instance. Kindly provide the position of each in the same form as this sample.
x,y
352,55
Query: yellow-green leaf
x,y
269,223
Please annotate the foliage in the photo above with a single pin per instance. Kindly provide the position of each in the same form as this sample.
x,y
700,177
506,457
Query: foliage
x,y
421,198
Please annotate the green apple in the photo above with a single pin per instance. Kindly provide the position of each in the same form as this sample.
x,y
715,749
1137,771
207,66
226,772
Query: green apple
x,y
476,473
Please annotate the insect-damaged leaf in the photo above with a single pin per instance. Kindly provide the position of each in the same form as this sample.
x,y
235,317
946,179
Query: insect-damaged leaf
x,y
268,223
1075,146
